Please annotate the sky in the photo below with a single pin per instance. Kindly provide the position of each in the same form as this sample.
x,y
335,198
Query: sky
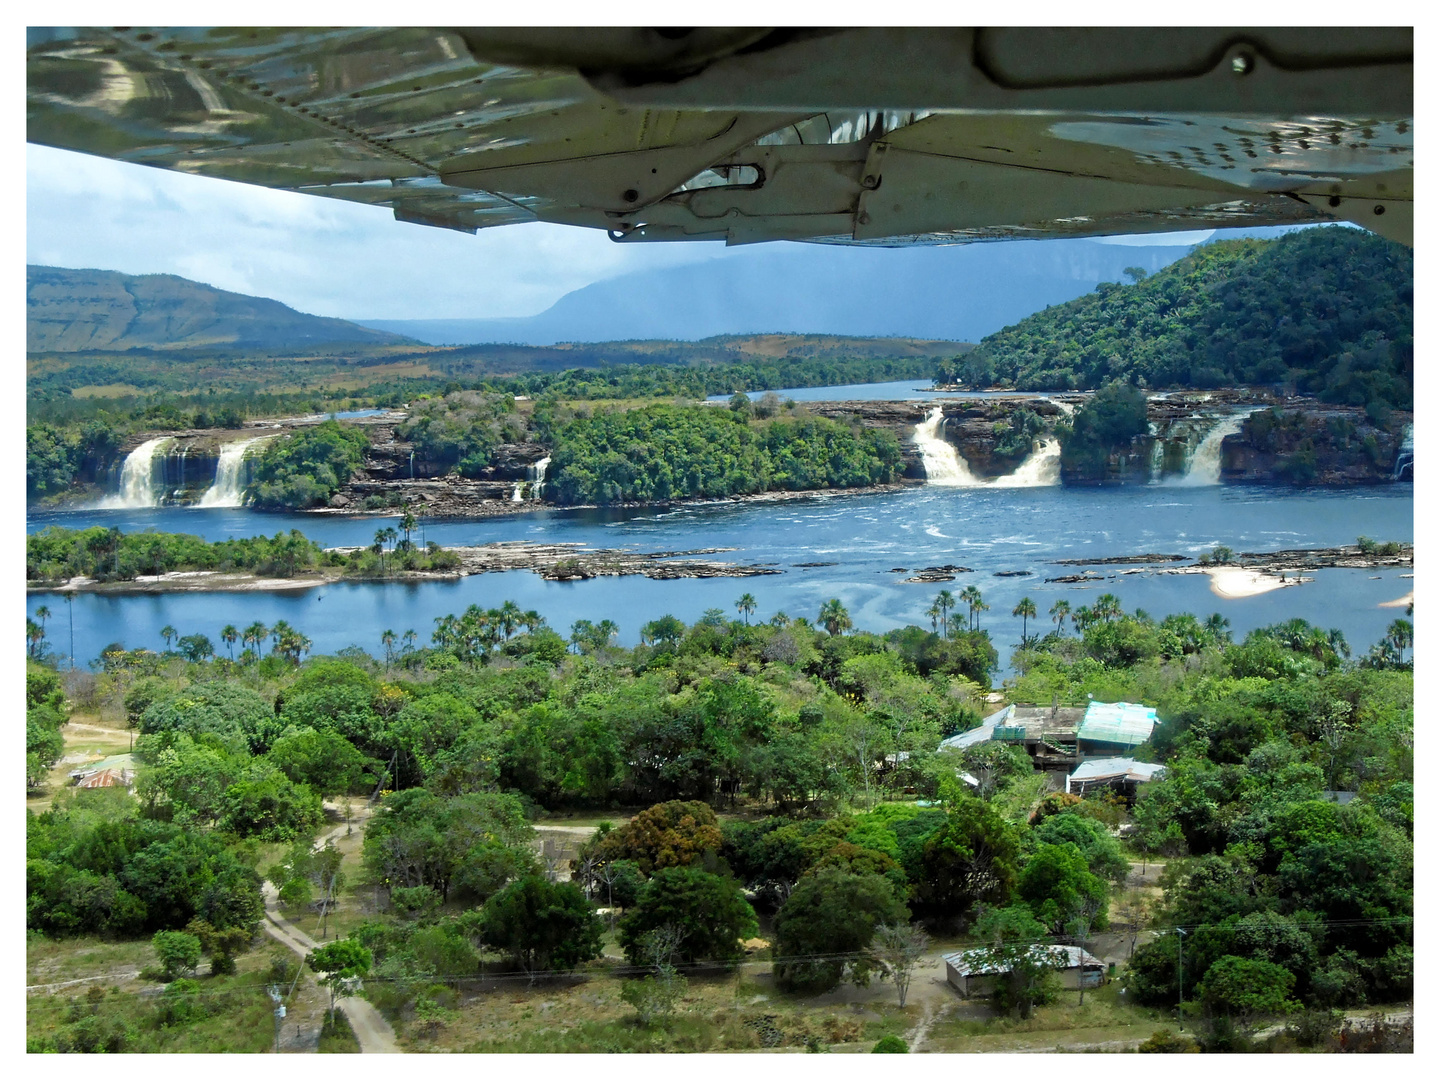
x,y
323,256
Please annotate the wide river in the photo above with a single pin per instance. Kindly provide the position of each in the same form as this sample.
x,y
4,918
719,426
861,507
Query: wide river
x,y
863,538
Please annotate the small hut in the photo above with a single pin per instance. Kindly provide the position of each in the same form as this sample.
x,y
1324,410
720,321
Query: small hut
x,y
973,971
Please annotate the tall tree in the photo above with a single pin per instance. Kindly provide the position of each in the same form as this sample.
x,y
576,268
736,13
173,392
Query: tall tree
x,y
895,950
1059,612
1025,611
834,617
945,601
746,606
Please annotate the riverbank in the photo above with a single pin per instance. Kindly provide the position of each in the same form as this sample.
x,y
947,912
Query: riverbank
x,y
1250,573
456,499
1242,575
553,562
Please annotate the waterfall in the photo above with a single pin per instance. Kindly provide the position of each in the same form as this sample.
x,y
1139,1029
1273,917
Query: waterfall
x,y
1204,467
137,478
1157,454
515,495
944,467
1040,469
539,468
229,486
1405,455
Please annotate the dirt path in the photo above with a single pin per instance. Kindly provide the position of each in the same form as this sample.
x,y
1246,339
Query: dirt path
x,y
372,1030
915,1037
119,735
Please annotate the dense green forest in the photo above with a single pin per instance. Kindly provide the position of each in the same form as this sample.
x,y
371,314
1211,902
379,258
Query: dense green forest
x,y
461,428
306,467
456,421
139,383
797,762
670,452
1326,311
55,554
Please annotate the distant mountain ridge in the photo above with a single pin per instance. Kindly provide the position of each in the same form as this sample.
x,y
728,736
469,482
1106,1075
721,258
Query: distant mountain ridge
x,y
957,293
106,311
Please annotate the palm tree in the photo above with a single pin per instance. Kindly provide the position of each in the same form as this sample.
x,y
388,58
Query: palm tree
x,y
605,630
746,606
387,638
935,616
1341,646
779,620
1059,612
34,633
278,632
834,617
254,634
1083,618
1108,607
1217,627
970,596
407,642
229,634
407,525
379,547
980,606
1401,634
945,601
1026,610
42,613
167,632
508,616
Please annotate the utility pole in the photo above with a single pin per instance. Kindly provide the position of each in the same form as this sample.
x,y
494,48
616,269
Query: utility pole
x,y
279,1012
1180,972
70,605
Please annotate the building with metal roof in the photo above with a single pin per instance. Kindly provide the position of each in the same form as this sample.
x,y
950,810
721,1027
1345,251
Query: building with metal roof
x,y
1114,772
120,767
973,971
1115,725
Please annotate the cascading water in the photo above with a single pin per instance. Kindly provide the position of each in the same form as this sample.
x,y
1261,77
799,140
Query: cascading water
x,y
515,495
1040,469
1204,467
1157,454
1405,455
539,470
229,486
138,486
944,467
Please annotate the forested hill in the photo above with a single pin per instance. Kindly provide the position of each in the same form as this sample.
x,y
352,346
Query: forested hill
x,y
100,310
1328,311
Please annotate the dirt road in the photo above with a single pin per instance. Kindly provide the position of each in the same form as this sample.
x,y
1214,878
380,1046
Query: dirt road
x,y
372,1030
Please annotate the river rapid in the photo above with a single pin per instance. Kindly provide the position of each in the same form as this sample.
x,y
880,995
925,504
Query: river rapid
x,y
862,538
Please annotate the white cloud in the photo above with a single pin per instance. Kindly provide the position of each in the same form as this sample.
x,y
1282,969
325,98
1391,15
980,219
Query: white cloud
x,y
1159,239
321,256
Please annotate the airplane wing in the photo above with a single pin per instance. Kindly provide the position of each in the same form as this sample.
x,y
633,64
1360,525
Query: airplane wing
x,y
852,136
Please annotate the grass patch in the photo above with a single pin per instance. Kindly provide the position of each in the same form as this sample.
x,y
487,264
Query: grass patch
x,y
1105,1017
211,1014
718,1013
338,1038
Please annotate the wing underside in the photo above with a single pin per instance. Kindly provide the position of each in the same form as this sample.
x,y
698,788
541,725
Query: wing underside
x,y
859,136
